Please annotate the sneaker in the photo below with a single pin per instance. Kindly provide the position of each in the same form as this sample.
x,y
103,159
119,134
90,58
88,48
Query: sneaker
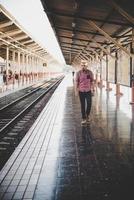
x,y
88,120
83,121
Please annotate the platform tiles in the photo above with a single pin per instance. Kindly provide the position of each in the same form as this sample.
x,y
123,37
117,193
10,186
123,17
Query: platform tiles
x,y
24,169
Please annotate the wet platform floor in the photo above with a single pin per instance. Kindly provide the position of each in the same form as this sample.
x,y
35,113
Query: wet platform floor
x,y
59,159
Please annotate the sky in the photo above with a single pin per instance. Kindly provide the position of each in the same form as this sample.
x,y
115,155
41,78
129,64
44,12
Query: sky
x,y
31,16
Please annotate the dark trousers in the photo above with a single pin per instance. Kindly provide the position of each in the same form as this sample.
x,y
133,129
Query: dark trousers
x,y
86,101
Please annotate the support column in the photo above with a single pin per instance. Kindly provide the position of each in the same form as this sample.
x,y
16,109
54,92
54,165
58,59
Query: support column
x,y
30,66
34,63
132,93
26,68
101,81
118,92
19,68
23,67
13,59
7,64
132,65
36,67
108,88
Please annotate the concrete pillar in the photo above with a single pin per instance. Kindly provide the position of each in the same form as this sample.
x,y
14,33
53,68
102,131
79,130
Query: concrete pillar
x,y
19,68
101,81
23,68
132,63
13,61
26,69
118,92
7,64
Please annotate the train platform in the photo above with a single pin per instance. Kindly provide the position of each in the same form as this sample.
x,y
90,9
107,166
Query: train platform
x,y
58,159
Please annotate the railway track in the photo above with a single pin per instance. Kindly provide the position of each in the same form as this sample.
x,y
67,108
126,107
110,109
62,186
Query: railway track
x,y
18,116
4,101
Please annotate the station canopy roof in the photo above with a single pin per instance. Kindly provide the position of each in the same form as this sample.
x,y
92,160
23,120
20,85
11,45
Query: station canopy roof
x,y
85,28
16,38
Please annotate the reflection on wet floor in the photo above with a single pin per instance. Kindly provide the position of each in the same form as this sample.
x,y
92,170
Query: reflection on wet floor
x,y
106,153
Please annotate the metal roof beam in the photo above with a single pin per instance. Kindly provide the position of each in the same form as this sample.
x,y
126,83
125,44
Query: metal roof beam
x,y
80,39
91,23
67,37
71,47
127,16
3,25
11,33
32,46
21,37
53,12
73,50
96,53
27,41
100,46
73,44
20,48
103,49
78,31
